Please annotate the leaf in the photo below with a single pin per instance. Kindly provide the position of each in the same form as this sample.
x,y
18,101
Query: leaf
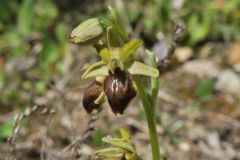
x,y
97,136
205,88
6,129
46,11
25,16
137,68
120,143
49,53
60,32
124,134
110,153
129,49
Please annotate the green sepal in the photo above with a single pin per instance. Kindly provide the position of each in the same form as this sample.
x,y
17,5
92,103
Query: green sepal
x,y
105,55
129,49
118,23
137,68
110,153
113,40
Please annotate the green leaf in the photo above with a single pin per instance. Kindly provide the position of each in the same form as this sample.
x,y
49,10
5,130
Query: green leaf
x,y
137,68
6,129
60,32
205,88
120,143
124,134
110,153
49,53
129,49
97,136
46,11
25,16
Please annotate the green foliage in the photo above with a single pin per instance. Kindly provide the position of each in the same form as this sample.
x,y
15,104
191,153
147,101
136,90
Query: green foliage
x,y
6,129
205,20
21,25
205,88
97,136
25,16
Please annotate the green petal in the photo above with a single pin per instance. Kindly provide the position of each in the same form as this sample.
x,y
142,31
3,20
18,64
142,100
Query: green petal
x,y
129,49
101,71
137,68
93,66
105,55
100,98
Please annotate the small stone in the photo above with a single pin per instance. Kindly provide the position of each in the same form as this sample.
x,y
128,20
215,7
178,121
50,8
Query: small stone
x,y
229,82
183,53
201,68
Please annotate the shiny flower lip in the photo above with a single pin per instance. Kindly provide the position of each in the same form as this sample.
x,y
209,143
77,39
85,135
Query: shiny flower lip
x,y
119,90
116,66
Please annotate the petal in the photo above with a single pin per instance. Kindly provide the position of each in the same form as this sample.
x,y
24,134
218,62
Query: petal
x,y
105,55
137,68
92,67
101,71
100,98
129,49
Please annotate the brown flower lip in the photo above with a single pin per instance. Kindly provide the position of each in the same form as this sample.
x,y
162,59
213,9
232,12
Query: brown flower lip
x,y
91,93
119,90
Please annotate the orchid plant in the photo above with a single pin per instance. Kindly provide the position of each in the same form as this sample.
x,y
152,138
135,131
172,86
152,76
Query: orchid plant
x,y
117,75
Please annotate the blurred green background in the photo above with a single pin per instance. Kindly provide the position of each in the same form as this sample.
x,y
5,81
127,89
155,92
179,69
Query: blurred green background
x,y
34,46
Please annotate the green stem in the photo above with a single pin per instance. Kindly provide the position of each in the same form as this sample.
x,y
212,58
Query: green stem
x,y
150,115
154,80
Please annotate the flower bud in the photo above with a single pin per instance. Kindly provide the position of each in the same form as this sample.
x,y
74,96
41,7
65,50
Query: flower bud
x,y
90,95
119,90
87,32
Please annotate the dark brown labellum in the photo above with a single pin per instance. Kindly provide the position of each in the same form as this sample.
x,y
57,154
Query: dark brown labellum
x,y
119,90
91,93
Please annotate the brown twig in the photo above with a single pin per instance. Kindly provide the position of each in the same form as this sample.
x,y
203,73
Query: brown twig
x,y
16,127
82,137
178,35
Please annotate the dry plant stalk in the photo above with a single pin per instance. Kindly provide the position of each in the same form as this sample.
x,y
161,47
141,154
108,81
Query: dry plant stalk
x,y
16,126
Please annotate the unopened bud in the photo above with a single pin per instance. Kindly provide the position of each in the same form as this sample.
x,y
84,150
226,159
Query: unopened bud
x,y
87,33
